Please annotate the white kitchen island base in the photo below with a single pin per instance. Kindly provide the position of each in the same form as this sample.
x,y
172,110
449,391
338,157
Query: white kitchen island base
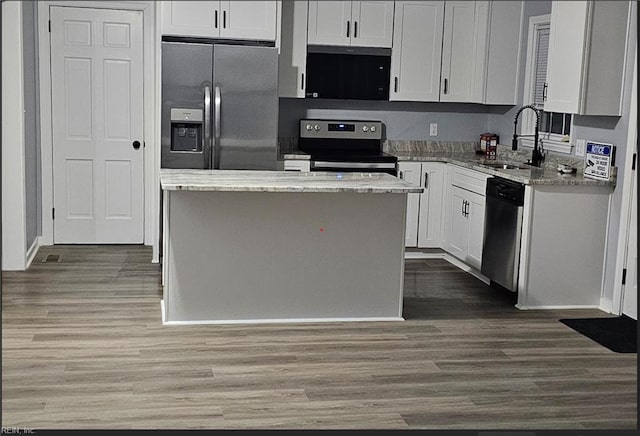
x,y
233,257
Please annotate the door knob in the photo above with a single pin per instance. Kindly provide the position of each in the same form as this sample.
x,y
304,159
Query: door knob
x,y
136,145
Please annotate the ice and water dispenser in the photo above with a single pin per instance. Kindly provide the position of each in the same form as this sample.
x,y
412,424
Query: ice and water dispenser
x,y
186,130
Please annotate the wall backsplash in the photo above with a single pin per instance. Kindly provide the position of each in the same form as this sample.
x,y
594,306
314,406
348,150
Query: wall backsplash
x,y
402,120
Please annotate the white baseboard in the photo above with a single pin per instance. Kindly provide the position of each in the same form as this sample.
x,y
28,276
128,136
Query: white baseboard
x,y
573,306
271,321
32,251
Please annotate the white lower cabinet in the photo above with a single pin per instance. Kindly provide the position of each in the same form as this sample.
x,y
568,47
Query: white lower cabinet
x,y
464,215
424,211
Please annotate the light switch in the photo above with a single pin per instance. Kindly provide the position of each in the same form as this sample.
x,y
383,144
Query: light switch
x,y
433,129
580,147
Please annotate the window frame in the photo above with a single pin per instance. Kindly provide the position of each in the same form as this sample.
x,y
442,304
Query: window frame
x,y
550,141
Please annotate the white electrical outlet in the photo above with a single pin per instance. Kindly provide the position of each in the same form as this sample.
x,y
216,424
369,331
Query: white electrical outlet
x,y
580,147
433,129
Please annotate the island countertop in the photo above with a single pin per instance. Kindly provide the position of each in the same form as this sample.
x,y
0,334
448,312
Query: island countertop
x,y
282,181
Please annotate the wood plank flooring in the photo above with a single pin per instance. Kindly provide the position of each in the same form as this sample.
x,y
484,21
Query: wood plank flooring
x,y
83,347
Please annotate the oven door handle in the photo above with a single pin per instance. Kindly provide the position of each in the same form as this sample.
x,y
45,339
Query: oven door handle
x,y
352,165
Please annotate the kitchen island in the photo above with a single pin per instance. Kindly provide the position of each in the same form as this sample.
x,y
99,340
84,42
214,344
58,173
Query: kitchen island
x,y
270,246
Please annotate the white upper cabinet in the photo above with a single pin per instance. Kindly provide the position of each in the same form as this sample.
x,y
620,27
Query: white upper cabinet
x,y
220,19
463,51
456,51
587,49
372,23
417,48
503,52
293,49
351,23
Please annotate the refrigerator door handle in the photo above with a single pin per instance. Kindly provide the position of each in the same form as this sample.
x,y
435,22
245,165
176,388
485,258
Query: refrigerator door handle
x,y
206,137
216,126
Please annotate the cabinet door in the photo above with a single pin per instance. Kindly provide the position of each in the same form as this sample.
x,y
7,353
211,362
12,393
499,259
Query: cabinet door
x,y
410,172
248,20
417,48
458,244
372,23
566,53
503,53
191,18
430,217
476,229
458,51
330,22
293,49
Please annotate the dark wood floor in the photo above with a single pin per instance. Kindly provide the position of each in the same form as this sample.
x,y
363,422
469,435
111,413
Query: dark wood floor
x,y
83,347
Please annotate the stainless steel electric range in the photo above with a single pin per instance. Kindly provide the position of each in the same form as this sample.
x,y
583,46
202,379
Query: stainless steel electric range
x,y
345,146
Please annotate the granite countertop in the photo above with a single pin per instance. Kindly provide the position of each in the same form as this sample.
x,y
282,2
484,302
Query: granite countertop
x,y
281,181
545,175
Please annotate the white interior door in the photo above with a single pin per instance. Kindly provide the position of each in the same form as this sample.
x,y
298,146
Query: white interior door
x,y
97,109
630,296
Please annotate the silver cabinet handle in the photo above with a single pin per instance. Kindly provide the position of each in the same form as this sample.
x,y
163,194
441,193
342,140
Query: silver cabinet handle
x,y
217,100
426,180
206,137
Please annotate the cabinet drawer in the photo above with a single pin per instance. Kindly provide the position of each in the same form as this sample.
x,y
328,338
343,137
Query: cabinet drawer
x,y
470,180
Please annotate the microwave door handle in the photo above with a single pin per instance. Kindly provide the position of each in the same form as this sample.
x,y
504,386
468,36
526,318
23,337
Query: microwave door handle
x,y
206,137
217,100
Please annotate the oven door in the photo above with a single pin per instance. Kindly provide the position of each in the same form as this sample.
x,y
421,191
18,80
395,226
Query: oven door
x,y
355,167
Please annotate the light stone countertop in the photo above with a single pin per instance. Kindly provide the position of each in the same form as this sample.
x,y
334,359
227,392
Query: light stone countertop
x,y
281,181
545,175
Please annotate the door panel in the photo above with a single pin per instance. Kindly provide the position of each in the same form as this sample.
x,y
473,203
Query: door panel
x,y
417,47
430,221
458,58
459,228
97,103
328,22
410,173
476,229
246,78
248,19
372,23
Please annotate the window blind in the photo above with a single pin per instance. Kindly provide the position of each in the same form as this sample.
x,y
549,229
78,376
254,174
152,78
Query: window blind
x,y
540,69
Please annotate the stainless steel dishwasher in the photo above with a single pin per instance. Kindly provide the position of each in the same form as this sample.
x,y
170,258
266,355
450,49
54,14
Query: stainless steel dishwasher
x,y
502,231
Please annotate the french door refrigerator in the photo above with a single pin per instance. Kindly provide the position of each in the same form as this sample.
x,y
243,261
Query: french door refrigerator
x,y
219,106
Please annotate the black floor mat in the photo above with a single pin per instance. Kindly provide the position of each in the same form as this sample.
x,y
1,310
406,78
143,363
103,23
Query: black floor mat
x,y
618,334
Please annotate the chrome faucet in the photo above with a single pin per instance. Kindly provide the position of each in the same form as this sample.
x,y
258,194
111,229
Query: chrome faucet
x,y
536,156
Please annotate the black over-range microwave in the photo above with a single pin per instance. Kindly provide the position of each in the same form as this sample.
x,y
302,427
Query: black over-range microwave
x,y
348,73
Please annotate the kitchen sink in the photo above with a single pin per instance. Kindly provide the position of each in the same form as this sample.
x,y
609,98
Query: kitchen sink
x,y
506,165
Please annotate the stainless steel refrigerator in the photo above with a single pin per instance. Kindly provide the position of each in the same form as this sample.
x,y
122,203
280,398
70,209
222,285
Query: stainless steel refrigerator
x,y
219,106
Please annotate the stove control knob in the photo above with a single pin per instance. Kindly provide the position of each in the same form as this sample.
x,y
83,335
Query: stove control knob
x,y
372,129
365,128
309,127
316,127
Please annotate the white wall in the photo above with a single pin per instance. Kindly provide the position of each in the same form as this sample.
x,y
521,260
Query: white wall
x,y
13,168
